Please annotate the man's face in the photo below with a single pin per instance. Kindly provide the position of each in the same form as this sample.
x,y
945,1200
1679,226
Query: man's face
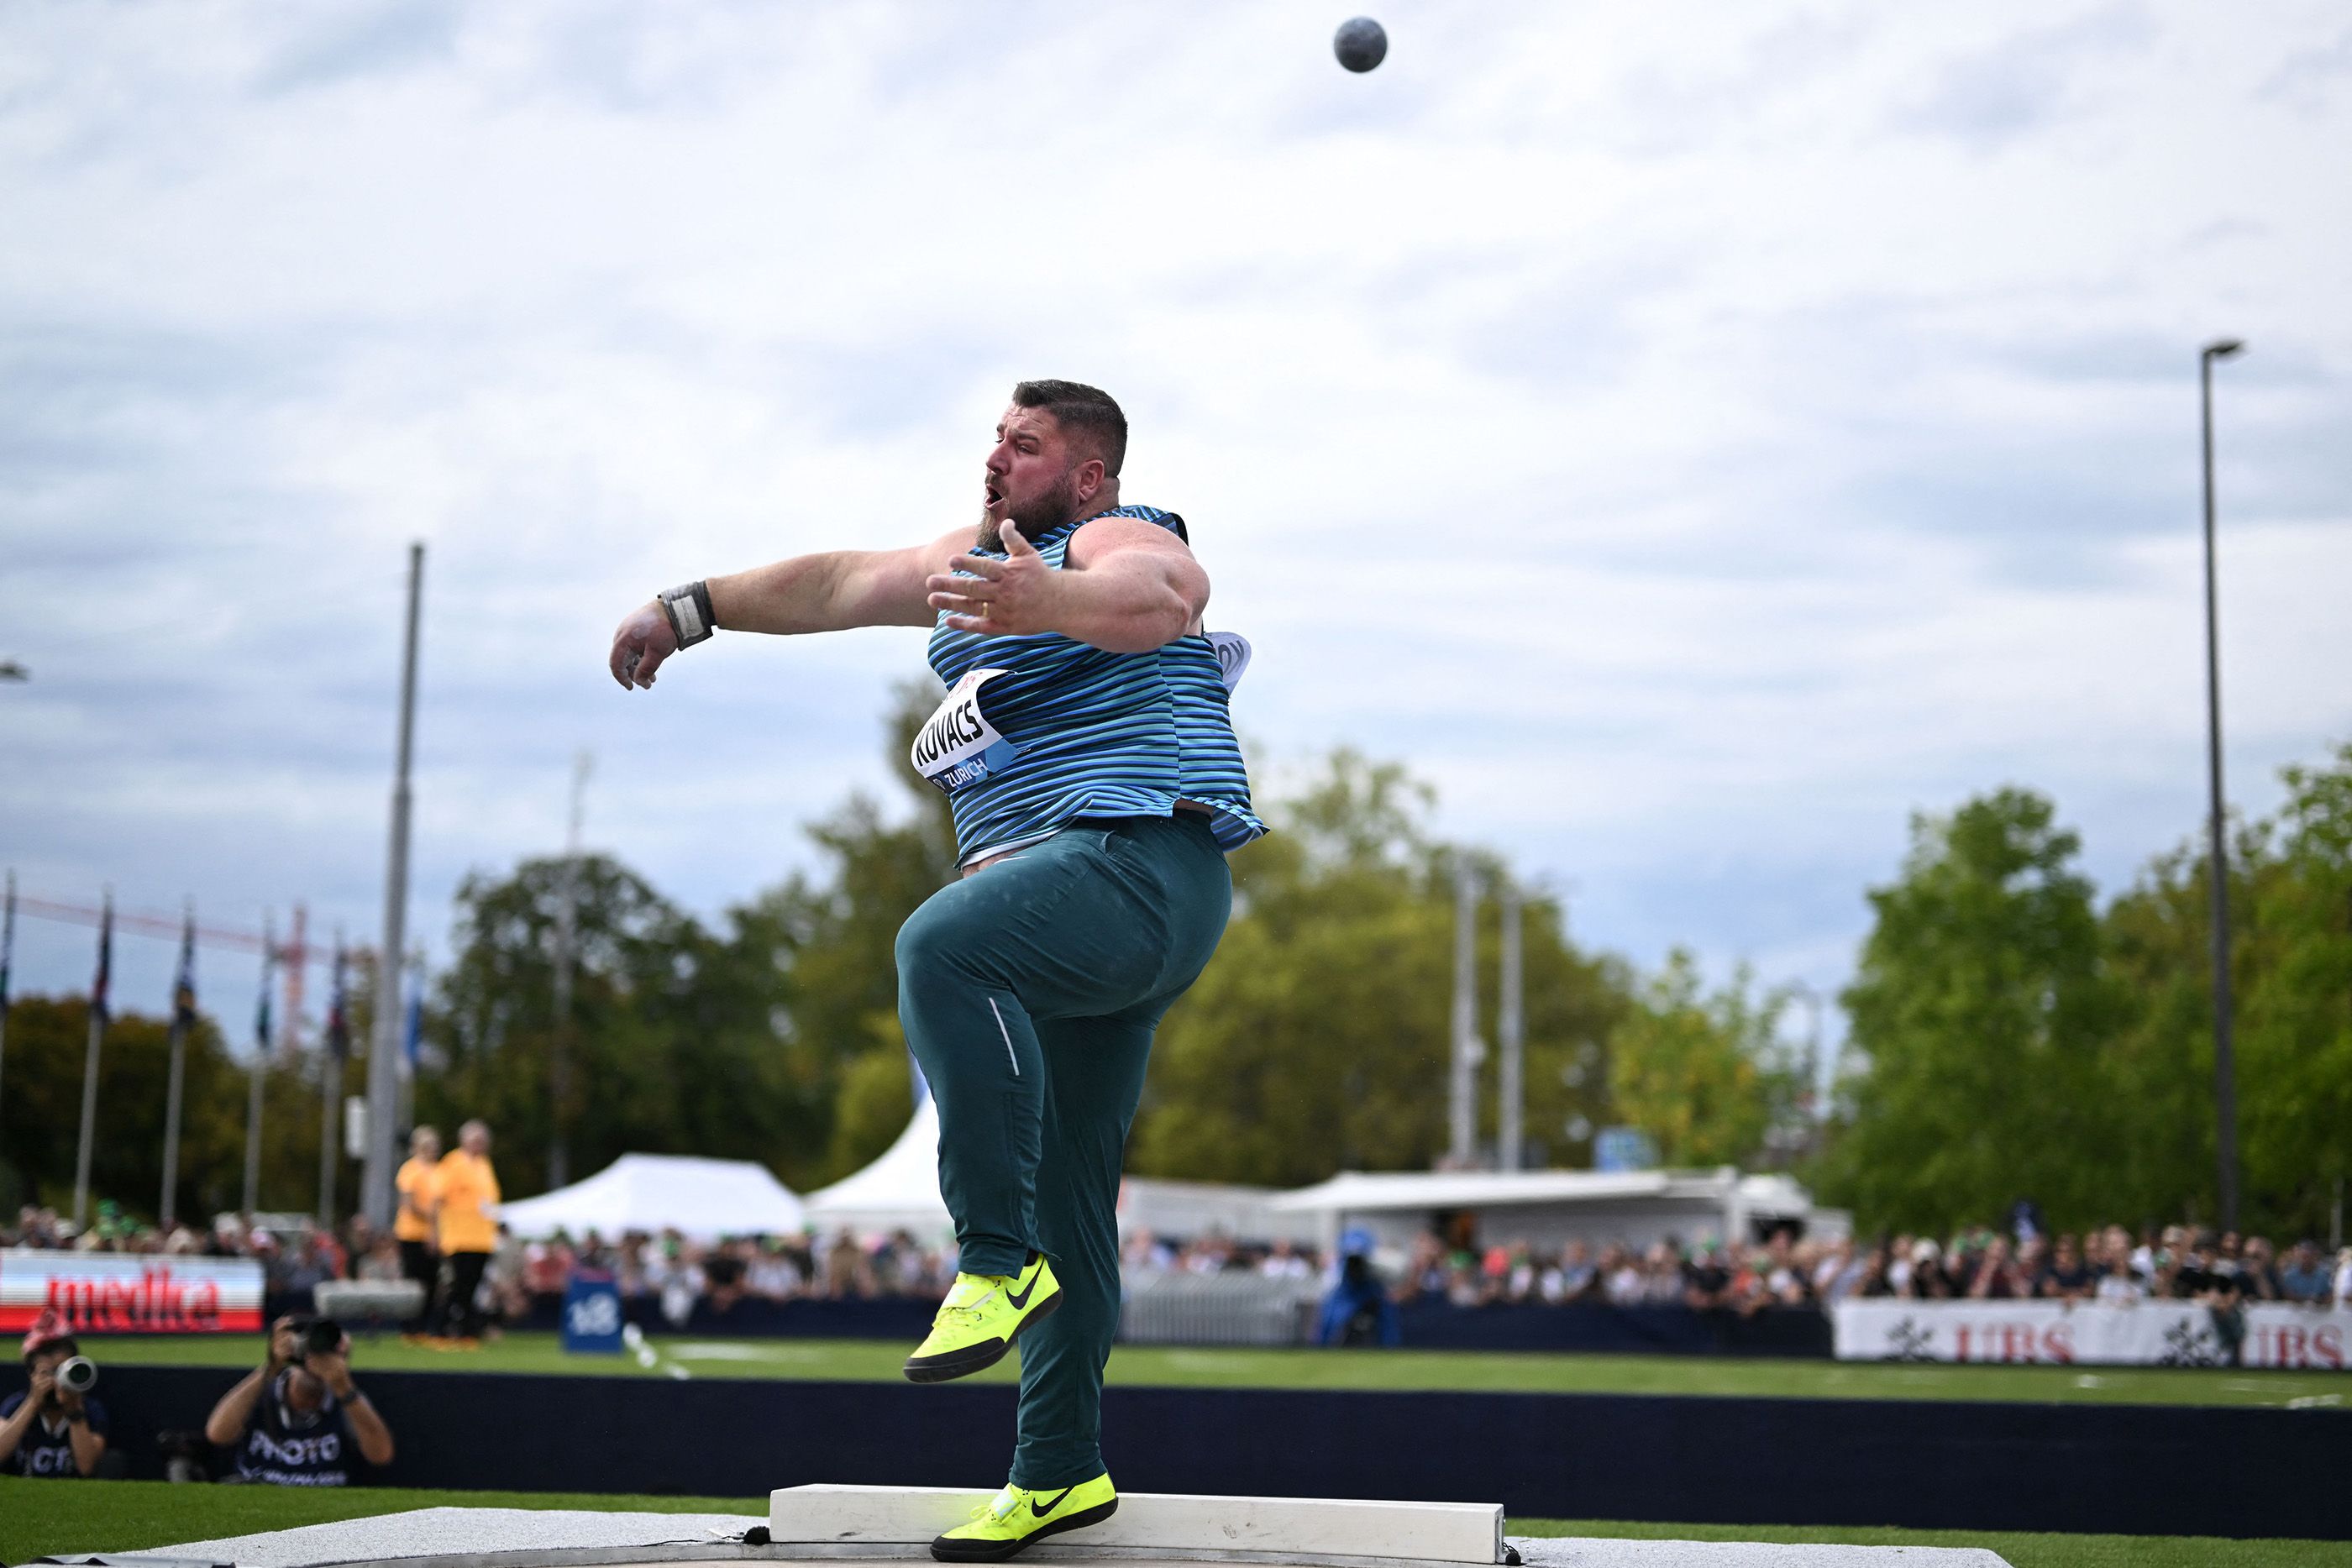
x,y
477,1140
48,1358
304,1391
1031,478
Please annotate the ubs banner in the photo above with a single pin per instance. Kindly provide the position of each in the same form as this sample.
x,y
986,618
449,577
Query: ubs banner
x,y
114,1292
2148,1334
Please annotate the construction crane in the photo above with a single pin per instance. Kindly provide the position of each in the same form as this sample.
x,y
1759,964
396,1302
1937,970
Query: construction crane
x,y
294,955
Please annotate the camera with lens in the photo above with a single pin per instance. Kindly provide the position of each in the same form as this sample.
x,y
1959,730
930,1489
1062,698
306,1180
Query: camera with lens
x,y
317,1336
77,1375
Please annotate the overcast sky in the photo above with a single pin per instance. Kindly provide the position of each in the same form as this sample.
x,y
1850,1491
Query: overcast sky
x,y
1694,437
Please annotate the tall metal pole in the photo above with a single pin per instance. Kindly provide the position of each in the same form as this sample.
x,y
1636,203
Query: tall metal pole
x,y
1463,1142
257,1075
89,1062
2225,1076
1510,1035
384,1071
331,1087
183,1018
7,959
567,919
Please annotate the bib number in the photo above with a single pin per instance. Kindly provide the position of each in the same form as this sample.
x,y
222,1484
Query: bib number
x,y
958,747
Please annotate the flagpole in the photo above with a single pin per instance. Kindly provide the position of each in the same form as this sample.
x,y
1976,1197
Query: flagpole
x,y
382,1079
259,1075
331,1093
183,1018
89,1062
7,956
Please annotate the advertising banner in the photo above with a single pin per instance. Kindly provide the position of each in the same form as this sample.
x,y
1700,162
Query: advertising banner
x,y
115,1293
2145,1333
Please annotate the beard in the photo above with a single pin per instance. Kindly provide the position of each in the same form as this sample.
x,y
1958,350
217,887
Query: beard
x,y
1051,510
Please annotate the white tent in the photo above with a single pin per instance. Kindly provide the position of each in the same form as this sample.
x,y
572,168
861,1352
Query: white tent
x,y
900,1191
703,1199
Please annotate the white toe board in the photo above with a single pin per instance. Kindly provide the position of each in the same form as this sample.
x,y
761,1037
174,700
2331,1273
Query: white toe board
x,y
1167,1521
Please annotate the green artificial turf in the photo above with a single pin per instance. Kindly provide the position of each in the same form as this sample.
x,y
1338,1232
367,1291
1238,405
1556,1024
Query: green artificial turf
x,y
1472,1370
41,1518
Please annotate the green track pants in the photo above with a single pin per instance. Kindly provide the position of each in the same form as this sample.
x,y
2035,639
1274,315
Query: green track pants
x,y
1029,993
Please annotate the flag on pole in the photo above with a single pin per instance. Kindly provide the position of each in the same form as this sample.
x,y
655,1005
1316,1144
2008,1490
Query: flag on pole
x,y
261,997
183,989
338,1028
7,942
97,987
412,1036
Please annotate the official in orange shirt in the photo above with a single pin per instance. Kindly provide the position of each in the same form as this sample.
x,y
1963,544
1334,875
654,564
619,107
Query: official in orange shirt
x,y
419,1183
468,1190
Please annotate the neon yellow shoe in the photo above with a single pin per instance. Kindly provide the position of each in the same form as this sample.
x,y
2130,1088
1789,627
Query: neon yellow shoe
x,y
977,1323
1017,1517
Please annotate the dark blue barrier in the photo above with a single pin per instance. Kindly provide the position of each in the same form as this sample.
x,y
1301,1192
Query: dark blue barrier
x,y
1944,1465
1428,1325
1599,1327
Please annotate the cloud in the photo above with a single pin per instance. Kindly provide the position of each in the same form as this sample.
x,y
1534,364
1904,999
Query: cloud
x,y
1990,96
1600,411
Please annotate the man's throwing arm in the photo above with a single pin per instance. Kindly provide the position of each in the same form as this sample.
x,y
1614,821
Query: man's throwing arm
x,y
831,591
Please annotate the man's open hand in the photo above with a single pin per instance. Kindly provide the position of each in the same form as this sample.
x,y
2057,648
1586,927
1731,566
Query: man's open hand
x,y
1010,598
643,640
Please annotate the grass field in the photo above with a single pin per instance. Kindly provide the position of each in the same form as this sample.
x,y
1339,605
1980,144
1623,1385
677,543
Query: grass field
x,y
38,1518
1472,1370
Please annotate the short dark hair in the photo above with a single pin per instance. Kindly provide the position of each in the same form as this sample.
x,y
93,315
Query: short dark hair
x,y
1088,413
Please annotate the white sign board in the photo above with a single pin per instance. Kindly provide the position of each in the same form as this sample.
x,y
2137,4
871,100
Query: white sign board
x,y
118,1293
2145,1333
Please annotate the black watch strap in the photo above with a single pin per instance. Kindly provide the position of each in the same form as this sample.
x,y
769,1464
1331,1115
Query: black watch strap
x,y
688,609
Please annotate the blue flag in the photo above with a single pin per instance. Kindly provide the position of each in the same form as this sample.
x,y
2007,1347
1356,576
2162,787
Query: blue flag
x,y
105,957
183,989
413,1037
338,1028
261,999
7,943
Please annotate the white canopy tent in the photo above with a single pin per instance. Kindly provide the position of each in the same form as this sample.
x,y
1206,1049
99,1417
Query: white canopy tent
x,y
900,1191
699,1199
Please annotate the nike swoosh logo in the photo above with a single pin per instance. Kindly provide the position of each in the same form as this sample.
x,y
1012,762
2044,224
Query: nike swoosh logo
x,y
1022,1300
1042,1509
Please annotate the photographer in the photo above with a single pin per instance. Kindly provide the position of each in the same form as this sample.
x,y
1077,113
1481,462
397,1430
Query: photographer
x,y
51,1430
294,1421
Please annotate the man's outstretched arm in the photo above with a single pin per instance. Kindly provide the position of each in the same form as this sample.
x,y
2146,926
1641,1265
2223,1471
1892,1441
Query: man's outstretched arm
x,y
829,592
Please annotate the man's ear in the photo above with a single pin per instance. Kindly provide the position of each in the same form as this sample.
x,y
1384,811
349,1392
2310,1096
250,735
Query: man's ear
x,y
1090,477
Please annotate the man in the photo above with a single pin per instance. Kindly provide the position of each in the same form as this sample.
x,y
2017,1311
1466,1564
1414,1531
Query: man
x,y
48,1430
1088,757
294,1421
419,1185
2305,1277
466,1189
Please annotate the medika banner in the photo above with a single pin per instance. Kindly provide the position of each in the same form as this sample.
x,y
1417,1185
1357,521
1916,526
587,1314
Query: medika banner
x,y
2145,1333
116,1293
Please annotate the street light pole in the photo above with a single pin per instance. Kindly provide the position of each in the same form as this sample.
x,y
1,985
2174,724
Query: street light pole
x,y
383,1052
2225,1077
567,937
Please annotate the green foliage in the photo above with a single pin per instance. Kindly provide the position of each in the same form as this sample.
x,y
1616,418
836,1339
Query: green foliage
x,y
40,1114
1981,1008
2017,1041
1316,1039
1703,1074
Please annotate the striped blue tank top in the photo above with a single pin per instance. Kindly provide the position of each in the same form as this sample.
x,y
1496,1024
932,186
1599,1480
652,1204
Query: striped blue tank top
x,y
1040,730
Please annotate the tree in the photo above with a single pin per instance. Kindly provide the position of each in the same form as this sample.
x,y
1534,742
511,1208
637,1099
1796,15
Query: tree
x,y
1316,1039
2291,970
1982,1010
40,1116
1703,1075
668,1058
